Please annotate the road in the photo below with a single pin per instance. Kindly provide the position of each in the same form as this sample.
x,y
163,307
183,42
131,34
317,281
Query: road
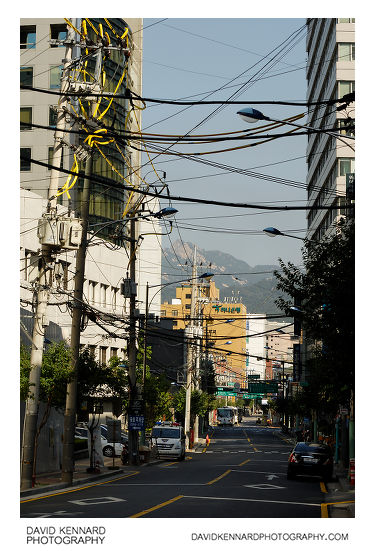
x,y
240,474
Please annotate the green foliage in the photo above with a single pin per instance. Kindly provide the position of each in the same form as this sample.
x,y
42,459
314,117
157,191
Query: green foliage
x,y
24,372
200,403
109,380
327,293
55,374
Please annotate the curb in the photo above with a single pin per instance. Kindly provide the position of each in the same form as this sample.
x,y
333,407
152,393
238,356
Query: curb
x,y
81,481
61,485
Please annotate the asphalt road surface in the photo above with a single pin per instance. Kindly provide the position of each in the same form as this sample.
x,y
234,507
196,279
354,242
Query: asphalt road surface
x,y
240,474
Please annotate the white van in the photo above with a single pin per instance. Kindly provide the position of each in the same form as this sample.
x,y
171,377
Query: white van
x,y
169,439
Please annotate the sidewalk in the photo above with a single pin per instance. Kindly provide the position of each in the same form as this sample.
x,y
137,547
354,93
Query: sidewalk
x,y
341,496
48,482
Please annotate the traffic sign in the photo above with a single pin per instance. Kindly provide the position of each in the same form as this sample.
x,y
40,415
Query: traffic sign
x,y
136,422
264,387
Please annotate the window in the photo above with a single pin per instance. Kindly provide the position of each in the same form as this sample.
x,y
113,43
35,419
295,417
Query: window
x,y
187,306
345,87
188,296
345,125
62,274
103,354
163,313
114,352
55,76
58,32
92,350
27,37
347,20
25,159
346,165
52,115
103,294
92,291
26,116
26,76
114,297
346,51
174,312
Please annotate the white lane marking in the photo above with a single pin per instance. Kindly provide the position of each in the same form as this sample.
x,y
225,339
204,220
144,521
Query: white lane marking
x,y
264,486
97,500
46,515
256,500
161,484
273,475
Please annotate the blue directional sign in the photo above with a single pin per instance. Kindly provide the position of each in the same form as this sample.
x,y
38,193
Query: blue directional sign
x,y
136,422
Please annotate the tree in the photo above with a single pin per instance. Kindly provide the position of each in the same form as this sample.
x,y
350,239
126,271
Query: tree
x,y
55,374
326,289
200,403
157,397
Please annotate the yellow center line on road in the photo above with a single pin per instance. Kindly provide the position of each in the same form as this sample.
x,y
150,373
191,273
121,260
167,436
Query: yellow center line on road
x,y
177,462
146,511
248,439
80,488
244,462
323,488
219,477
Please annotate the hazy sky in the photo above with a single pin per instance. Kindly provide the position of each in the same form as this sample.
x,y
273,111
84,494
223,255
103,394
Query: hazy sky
x,y
191,58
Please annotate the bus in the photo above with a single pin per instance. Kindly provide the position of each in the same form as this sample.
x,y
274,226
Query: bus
x,y
227,415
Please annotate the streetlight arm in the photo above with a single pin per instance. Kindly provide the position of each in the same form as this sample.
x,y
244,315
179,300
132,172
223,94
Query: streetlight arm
x,y
251,115
272,232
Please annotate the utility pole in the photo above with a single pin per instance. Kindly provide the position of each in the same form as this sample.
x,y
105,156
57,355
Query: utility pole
x,y
45,275
132,349
145,326
71,396
190,333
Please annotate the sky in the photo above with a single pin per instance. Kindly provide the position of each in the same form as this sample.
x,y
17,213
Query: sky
x,y
193,57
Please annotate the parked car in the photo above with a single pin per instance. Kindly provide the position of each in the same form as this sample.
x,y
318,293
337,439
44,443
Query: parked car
x,y
108,448
310,459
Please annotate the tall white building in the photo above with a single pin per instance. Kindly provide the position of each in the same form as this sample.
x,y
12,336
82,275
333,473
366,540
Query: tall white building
x,y
40,67
330,74
255,345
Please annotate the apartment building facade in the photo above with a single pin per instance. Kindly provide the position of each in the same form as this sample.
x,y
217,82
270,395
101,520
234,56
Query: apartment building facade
x,y
41,59
222,328
330,161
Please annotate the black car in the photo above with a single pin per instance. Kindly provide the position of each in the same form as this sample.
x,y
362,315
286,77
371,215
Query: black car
x,y
310,459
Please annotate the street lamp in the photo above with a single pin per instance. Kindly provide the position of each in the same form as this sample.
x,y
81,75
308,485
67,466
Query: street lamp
x,y
273,232
251,115
163,213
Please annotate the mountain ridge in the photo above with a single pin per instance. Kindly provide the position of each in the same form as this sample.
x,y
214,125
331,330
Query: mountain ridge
x,y
237,281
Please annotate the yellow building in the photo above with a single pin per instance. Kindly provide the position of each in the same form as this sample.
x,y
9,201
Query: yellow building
x,y
223,329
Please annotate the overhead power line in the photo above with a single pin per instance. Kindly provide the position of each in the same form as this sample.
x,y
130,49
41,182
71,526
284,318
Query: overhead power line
x,y
116,185
129,94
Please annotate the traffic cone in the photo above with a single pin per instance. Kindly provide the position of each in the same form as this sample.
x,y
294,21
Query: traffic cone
x,y
207,439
